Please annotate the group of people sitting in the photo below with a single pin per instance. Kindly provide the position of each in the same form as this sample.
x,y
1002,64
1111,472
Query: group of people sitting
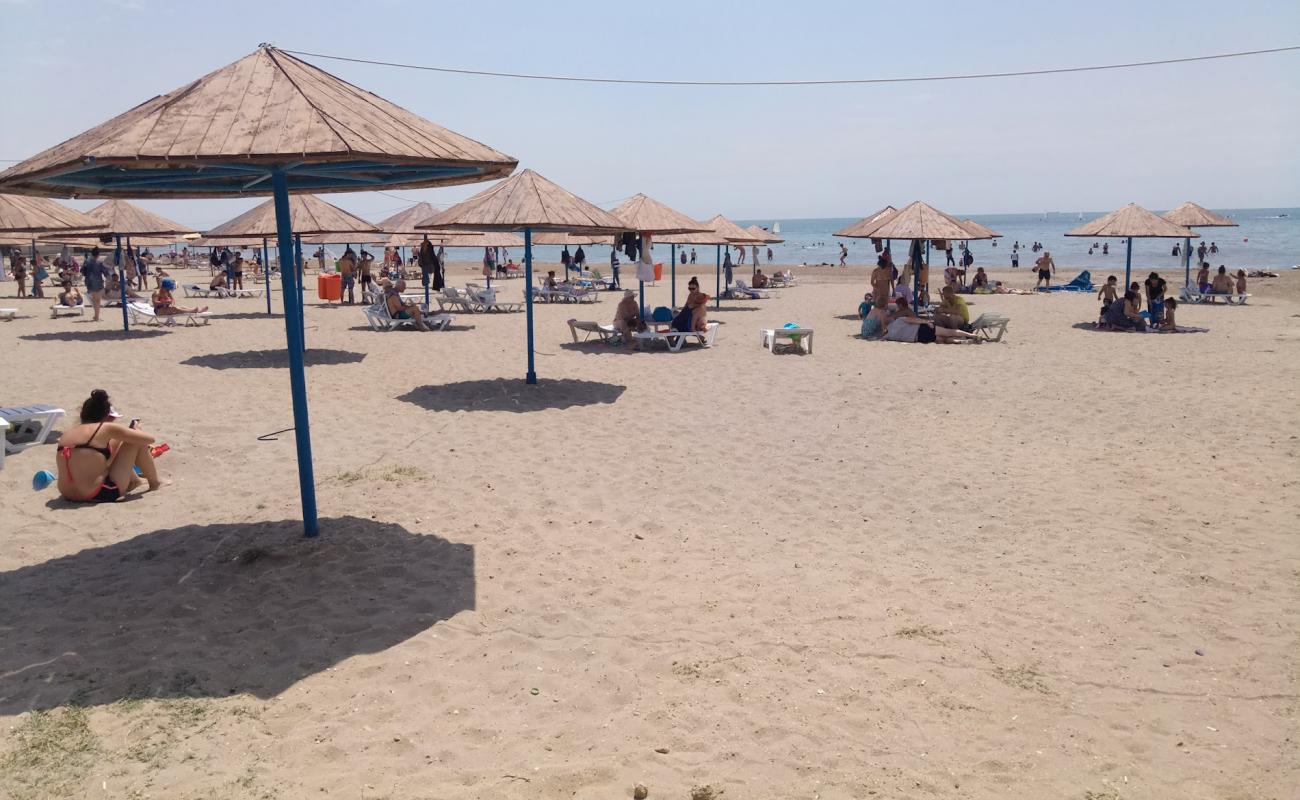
x,y
896,321
1222,283
692,316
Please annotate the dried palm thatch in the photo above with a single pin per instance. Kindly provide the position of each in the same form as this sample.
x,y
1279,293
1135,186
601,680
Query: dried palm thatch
x,y
570,239
236,244
863,228
1133,221
526,200
254,113
765,236
106,240
127,219
310,215
647,215
405,221
486,239
1190,215
38,215
980,231
919,220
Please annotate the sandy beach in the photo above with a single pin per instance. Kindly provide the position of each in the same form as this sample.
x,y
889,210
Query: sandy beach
x,y
1064,565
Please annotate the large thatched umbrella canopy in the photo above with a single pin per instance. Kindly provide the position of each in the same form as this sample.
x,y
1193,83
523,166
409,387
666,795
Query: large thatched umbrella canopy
x,y
649,217
308,214
127,219
979,231
38,215
266,124
763,236
1129,223
527,202
865,227
918,222
1190,215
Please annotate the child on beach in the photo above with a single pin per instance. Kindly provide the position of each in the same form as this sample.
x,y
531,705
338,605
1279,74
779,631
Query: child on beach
x,y
1168,324
1241,281
864,308
1109,291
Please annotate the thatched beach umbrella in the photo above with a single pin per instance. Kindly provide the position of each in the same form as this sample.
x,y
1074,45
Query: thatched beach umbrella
x,y
526,202
1190,215
980,231
33,215
123,219
921,222
266,124
865,227
649,217
763,236
1129,223
722,233
308,216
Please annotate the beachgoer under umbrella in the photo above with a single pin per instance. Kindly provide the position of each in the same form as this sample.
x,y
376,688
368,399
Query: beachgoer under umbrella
x,y
94,273
627,317
698,303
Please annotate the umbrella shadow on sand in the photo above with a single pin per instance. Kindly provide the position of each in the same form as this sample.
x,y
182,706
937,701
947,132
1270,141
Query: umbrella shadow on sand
x,y
273,359
512,395
100,335
215,610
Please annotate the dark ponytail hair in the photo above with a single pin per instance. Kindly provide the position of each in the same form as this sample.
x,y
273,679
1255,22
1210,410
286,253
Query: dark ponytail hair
x,y
97,408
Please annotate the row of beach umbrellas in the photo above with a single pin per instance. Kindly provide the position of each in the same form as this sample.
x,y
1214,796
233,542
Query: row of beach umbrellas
x,y
272,124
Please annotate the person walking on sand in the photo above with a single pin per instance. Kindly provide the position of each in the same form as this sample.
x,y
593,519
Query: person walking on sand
x,y
94,273
844,254
1045,267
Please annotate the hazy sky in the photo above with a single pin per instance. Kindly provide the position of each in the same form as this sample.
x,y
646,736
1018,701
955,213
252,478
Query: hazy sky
x,y
1224,133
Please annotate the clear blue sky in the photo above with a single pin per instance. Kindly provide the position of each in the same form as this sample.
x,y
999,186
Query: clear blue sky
x,y
1224,133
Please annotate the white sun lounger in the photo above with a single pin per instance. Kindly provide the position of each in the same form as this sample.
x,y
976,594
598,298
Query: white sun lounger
x,y
28,426
675,339
800,336
243,292
607,333
457,299
992,327
57,311
742,289
1191,294
195,290
141,312
380,319
8,313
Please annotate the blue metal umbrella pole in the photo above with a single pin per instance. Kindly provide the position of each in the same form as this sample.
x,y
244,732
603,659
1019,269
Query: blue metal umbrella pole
x,y
530,377
672,248
1128,263
266,270
293,332
717,283
302,314
1187,262
121,280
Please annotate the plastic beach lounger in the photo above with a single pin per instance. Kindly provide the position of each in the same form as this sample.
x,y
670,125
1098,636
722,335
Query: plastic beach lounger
x,y
803,337
57,311
143,313
675,339
380,319
29,425
992,327
195,290
607,333
8,313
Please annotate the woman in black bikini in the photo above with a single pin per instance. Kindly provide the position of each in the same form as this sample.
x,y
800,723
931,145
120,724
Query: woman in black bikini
x,y
95,458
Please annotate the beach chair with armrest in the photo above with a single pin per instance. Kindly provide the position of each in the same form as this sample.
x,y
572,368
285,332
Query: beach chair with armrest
x,y
742,289
196,290
675,339
487,301
607,333
381,319
29,426
990,326
144,313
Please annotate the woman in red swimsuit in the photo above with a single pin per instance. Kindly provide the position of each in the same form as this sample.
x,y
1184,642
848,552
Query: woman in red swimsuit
x,y
95,458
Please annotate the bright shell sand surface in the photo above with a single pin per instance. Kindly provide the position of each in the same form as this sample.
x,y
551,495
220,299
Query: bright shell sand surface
x,y
881,570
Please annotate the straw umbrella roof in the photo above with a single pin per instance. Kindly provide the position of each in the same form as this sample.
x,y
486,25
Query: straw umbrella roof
x,y
980,231
38,215
245,117
526,200
237,244
1133,221
128,219
81,240
765,236
488,239
647,215
405,221
570,239
863,228
1190,215
309,214
919,220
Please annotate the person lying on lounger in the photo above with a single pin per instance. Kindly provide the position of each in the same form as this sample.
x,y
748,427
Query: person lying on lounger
x,y
908,327
96,459
400,308
69,296
164,305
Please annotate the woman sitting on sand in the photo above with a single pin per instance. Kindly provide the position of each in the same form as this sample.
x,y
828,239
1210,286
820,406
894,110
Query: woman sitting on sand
x,y
164,305
906,326
876,319
698,303
95,459
1123,315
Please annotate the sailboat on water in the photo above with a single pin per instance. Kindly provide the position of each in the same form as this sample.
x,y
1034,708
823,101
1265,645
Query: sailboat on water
x,y
776,227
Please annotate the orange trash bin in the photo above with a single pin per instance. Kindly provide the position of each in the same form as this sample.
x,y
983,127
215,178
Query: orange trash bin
x,y
659,272
329,286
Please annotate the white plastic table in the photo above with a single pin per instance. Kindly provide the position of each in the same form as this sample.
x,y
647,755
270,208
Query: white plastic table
x,y
771,336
